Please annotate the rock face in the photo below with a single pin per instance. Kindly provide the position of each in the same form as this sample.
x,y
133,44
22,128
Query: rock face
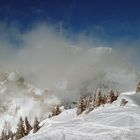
x,y
138,87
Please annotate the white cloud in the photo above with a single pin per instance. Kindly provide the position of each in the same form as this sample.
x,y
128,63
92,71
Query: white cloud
x,y
45,59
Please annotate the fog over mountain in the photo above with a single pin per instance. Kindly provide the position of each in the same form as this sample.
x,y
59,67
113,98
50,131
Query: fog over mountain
x,y
66,65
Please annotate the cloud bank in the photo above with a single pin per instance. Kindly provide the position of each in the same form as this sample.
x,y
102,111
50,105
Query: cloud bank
x,y
68,64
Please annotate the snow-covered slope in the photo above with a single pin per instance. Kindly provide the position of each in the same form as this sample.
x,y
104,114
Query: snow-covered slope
x,y
112,122
19,98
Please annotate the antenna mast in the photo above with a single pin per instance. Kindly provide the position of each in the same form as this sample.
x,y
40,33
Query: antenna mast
x,y
61,30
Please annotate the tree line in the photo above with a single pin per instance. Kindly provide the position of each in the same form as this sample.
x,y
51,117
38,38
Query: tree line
x,y
23,129
86,103
24,126
89,102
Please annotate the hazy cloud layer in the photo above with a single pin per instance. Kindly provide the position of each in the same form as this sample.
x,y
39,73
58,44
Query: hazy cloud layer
x,y
66,65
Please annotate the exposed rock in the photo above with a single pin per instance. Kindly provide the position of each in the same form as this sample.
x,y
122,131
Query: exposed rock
x,y
138,87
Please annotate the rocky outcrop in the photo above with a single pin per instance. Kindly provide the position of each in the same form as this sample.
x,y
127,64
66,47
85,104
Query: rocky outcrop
x,y
138,87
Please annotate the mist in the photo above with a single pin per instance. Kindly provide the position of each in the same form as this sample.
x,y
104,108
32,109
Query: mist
x,y
64,65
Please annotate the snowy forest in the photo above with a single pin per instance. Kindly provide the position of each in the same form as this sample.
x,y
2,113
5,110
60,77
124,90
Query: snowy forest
x,y
86,104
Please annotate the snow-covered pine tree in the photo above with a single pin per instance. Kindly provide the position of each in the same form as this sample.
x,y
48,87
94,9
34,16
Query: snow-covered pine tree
x,y
36,126
108,98
112,96
4,135
86,102
56,111
90,107
53,111
88,99
10,135
117,95
28,127
105,98
20,130
81,106
6,130
98,98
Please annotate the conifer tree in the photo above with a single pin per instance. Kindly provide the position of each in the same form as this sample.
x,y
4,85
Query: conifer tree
x,y
53,111
81,106
3,135
5,132
98,98
36,126
117,95
28,127
21,129
112,96
10,135
56,111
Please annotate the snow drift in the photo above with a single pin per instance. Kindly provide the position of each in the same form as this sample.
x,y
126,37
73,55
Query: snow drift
x,y
112,122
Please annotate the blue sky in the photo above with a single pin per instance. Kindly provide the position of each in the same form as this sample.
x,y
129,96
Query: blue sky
x,y
108,19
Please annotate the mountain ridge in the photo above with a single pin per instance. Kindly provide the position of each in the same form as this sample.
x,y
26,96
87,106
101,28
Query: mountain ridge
x,y
112,122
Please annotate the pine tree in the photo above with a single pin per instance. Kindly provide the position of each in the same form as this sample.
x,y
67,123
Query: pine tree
x,y
56,111
112,96
36,126
5,132
10,135
117,95
28,127
81,106
91,105
105,99
3,135
98,98
53,111
21,129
